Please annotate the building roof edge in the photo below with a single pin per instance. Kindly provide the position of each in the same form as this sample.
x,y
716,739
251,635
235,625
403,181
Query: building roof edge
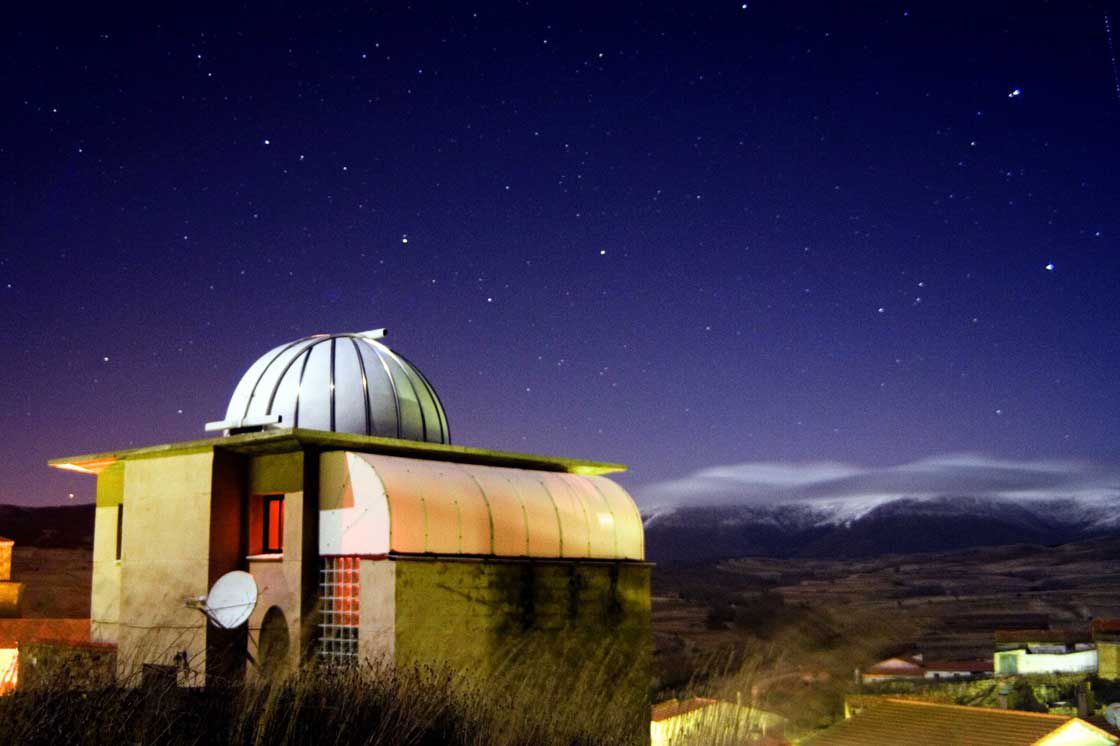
x,y
295,439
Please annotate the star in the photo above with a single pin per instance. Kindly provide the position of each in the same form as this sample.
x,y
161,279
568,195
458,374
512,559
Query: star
x,y
1050,267
1015,93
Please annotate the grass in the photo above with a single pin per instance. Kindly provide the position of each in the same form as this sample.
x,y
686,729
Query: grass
x,y
521,701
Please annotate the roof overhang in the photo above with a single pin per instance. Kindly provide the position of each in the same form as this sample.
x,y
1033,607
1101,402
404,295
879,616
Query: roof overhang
x,y
298,439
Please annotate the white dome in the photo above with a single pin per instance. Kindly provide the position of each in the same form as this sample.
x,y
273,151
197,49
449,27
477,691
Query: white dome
x,y
348,383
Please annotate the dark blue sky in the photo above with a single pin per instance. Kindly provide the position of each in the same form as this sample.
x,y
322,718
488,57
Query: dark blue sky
x,y
671,237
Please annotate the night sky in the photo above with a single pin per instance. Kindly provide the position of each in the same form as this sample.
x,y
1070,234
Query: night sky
x,y
868,233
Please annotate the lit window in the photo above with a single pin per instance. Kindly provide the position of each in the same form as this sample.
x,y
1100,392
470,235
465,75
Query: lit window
x,y
272,536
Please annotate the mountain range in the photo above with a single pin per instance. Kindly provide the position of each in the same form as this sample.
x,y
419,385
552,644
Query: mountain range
x,y
829,529
839,529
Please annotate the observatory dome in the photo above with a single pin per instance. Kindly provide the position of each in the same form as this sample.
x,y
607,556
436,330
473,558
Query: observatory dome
x,y
348,383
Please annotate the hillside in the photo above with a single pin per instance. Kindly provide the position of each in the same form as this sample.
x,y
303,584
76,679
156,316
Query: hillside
x,y
64,526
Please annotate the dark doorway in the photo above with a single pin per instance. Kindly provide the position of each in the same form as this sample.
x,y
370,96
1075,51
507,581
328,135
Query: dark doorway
x,y
275,643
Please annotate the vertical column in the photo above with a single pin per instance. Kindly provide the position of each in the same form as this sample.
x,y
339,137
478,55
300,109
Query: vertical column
x,y
309,555
226,648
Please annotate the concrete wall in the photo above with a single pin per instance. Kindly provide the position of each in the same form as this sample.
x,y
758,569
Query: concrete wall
x,y
1108,659
166,559
467,611
582,626
105,593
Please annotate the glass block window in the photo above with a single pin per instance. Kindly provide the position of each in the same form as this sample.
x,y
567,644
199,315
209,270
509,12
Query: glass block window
x,y
339,605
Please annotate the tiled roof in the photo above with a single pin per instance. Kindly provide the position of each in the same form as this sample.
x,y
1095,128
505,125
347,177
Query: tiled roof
x,y
1106,626
903,665
974,666
1043,635
899,722
673,707
13,632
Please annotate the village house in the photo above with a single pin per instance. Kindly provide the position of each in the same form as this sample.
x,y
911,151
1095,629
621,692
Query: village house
x,y
18,636
895,668
370,537
916,668
701,720
1041,651
1106,636
11,593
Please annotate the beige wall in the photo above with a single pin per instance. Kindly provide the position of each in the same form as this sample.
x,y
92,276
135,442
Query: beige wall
x,y
166,559
105,593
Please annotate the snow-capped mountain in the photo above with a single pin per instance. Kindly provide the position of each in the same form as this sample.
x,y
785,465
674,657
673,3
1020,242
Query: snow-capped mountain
x,y
860,528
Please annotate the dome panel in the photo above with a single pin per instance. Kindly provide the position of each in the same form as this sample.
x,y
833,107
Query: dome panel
x,y
382,396
313,407
342,382
288,388
412,418
349,387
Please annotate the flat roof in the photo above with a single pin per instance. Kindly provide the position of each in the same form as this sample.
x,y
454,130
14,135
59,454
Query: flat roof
x,y
286,440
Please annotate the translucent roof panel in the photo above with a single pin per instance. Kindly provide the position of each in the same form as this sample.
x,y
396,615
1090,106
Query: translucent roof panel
x,y
374,504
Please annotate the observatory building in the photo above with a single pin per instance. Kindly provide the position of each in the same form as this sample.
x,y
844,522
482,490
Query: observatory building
x,y
332,481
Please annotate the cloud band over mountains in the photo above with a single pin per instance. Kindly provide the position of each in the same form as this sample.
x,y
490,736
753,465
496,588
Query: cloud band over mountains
x,y
959,475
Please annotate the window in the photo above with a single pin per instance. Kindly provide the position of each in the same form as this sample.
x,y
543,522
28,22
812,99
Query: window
x,y
120,527
272,525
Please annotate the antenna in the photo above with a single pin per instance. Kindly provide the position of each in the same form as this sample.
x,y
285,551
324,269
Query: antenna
x,y
231,600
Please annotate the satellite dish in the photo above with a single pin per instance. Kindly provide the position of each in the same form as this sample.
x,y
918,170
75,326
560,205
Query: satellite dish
x,y
231,600
1112,714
